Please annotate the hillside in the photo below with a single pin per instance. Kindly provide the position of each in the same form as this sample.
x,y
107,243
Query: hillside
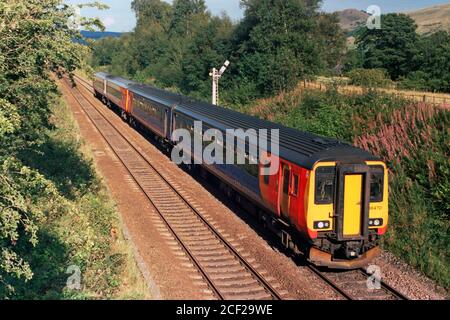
x,y
429,19
96,35
432,19
350,19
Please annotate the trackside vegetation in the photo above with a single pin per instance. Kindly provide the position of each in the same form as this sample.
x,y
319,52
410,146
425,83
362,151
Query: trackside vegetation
x,y
176,45
55,214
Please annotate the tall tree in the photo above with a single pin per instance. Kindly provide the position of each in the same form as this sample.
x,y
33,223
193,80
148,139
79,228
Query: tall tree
x,y
186,15
147,43
209,48
394,47
36,38
157,13
434,61
333,40
276,40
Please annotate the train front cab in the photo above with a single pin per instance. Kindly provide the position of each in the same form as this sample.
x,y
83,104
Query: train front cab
x,y
346,213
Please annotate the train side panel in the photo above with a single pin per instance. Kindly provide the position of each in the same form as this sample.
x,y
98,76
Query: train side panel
x,y
152,115
99,85
116,94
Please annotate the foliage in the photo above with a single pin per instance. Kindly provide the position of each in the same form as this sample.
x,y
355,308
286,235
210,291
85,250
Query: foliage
x,y
415,143
77,228
370,78
175,46
278,43
393,47
434,63
415,61
36,38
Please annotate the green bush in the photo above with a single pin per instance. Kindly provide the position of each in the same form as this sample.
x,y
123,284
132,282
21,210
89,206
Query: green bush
x,y
414,81
73,227
369,78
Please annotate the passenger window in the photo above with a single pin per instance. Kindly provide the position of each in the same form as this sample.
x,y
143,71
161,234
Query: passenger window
x,y
325,177
295,182
376,183
286,181
267,177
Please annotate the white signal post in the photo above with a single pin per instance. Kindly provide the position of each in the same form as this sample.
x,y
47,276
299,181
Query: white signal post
x,y
216,75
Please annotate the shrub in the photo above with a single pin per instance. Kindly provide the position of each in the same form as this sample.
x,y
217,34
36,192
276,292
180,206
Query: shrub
x,y
414,143
369,78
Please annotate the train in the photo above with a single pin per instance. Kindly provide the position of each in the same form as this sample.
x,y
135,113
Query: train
x,y
327,200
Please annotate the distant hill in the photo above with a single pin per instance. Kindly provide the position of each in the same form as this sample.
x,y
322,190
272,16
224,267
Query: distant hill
x,y
96,35
429,19
432,19
350,19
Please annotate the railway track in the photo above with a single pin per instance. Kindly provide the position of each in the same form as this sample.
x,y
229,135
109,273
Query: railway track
x,y
352,285
226,272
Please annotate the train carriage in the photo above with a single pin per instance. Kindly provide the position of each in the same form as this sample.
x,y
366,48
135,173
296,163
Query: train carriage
x,y
152,108
328,198
99,85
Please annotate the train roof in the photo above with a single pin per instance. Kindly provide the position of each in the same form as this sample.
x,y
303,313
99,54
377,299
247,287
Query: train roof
x,y
302,148
164,97
124,83
102,75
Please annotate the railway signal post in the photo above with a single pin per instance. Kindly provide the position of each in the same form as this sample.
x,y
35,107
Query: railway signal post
x,y
216,75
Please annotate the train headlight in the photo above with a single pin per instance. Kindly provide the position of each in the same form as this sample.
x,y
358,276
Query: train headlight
x,y
375,222
322,225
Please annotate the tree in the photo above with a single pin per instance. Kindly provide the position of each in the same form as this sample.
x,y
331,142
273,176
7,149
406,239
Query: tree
x,y
103,51
333,40
36,38
394,47
434,61
186,16
209,48
154,12
277,44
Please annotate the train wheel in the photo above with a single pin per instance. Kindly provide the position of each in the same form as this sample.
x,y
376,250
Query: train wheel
x,y
132,123
124,116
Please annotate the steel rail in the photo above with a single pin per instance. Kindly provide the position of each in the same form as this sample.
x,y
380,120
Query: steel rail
x,y
267,286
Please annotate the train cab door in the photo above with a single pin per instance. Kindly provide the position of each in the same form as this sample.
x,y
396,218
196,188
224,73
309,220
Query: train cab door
x,y
289,193
284,192
352,207
166,123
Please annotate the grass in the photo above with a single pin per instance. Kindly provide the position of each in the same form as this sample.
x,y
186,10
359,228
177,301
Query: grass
x,y
85,232
414,95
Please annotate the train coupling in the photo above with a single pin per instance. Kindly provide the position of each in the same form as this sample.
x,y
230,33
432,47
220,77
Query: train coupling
x,y
325,259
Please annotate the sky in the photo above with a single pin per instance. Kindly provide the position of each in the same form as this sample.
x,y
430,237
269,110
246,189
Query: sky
x,y
120,17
